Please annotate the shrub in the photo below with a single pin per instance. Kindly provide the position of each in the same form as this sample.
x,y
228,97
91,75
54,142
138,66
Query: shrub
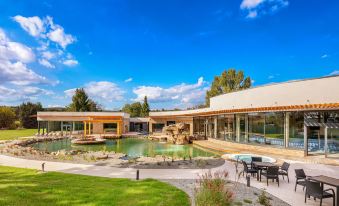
x,y
7,117
263,199
212,190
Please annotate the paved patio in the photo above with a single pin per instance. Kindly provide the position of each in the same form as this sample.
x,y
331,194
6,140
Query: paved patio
x,y
284,192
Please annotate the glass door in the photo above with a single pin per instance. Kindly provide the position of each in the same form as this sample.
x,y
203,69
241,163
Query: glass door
x,y
315,140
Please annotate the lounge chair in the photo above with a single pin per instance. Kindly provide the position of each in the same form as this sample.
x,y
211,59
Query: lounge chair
x,y
314,189
271,173
283,171
300,178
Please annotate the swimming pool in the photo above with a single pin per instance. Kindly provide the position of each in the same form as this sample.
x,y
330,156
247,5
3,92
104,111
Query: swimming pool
x,y
248,157
133,147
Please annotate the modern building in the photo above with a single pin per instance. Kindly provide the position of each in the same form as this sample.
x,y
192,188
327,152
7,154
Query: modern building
x,y
84,122
300,116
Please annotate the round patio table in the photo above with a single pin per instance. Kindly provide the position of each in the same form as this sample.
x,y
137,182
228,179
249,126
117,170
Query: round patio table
x,y
261,166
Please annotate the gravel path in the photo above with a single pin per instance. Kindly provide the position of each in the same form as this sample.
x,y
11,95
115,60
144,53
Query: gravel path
x,y
244,195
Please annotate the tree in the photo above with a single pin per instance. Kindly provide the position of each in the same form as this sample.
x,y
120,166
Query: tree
x,y
133,109
7,117
229,81
26,112
82,103
145,108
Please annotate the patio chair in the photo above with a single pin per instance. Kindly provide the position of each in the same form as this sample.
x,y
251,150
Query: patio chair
x,y
255,159
283,171
315,190
248,170
271,173
300,177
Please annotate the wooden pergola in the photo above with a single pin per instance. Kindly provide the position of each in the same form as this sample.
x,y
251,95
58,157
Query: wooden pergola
x,y
103,119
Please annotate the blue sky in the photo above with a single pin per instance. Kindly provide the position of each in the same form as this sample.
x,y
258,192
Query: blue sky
x,y
170,51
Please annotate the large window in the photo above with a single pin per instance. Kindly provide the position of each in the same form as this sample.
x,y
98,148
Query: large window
x,y
274,128
256,128
199,126
230,127
221,127
158,127
296,130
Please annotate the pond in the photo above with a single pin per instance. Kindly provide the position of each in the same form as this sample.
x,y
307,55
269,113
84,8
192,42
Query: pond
x,y
133,147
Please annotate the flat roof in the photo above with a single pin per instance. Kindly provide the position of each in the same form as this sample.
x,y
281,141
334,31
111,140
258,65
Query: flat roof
x,y
295,95
79,116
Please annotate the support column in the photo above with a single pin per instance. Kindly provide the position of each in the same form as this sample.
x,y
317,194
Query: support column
x,y
47,128
246,127
287,129
62,128
305,140
89,128
237,128
215,132
118,128
73,127
85,125
38,127
325,145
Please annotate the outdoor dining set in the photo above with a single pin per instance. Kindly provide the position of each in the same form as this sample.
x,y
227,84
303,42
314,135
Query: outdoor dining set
x,y
312,185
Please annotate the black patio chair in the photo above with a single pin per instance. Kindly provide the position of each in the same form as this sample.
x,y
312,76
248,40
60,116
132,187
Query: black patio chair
x,y
300,177
314,189
283,171
255,159
271,173
248,170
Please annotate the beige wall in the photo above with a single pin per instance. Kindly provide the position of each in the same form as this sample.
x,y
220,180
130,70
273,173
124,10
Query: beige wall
x,y
98,128
312,91
186,120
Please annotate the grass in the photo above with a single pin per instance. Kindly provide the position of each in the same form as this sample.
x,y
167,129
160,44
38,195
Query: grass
x,y
31,187
15,133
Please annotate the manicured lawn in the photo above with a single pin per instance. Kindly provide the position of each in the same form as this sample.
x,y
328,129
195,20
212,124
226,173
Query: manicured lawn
x,y
15,133
30,187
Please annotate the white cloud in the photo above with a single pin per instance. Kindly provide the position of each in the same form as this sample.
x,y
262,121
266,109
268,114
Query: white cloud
x,y
33,25
48,55
46,63
13,56
70,62
58,35
52,38
18,73
184,93
129,79
335,72
101,91
271,77
21,93
10,50
252,14
324,56
250,4
254,8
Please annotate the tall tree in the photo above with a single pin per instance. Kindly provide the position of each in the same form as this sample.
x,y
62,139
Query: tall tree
x,y
133,109
26,112
230,80
7,117
82,103
145,108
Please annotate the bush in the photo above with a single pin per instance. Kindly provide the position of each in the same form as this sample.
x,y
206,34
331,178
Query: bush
x,y
263,199
213,190
7,118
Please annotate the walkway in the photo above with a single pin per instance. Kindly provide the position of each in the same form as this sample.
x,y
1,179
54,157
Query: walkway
x,y
284,192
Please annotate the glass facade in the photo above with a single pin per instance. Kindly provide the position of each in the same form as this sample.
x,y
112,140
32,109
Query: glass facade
x,y
276,129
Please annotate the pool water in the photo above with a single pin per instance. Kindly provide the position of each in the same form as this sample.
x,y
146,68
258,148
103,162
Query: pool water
x,y
248,157
133,147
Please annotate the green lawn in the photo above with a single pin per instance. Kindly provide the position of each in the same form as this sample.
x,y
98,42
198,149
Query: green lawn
x,y
30,187
15,133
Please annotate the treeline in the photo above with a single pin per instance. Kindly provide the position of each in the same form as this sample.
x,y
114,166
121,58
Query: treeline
x,y
22,116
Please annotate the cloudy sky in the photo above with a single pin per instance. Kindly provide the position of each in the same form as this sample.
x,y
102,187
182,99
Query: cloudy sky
x,y
122,50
